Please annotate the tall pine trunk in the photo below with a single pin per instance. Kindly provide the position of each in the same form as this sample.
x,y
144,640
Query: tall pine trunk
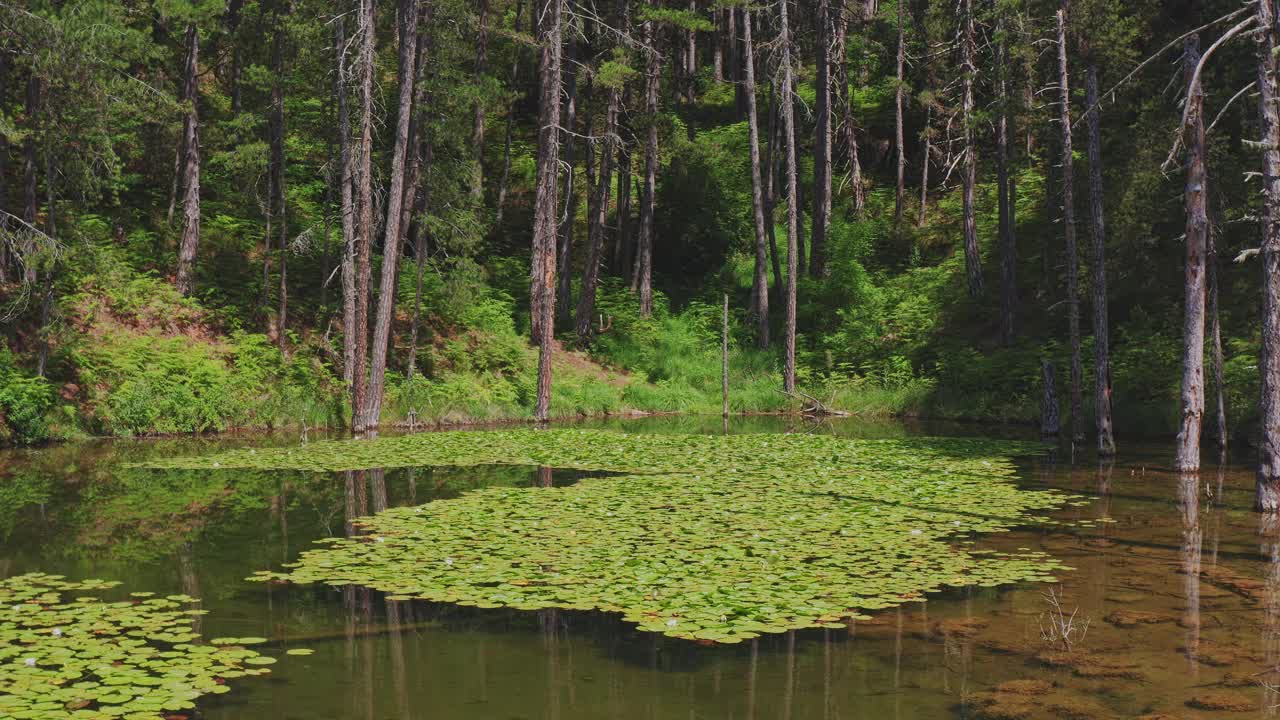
x,y
190,242
543,270
1098,232
822,145
644,276
969,70
564,251
477,110
1215,339
512,76
900,89
924,166
1268,482
347,209
1004,210
277,199
793,209
1187,458
364,208
392,236
1069,231
760,284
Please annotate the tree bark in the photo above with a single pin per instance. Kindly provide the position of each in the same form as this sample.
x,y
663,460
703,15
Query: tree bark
x,y
345,172
969,69
644,278
1008,249
190,242
621,239
900,197
1188,450
415,191
1215,337
392,237
773,170
477,110
1069,232
599,212
788,123
1268,480
821,144
419,235
924,166
364,207
1049,423
760,285
1097,225
543,285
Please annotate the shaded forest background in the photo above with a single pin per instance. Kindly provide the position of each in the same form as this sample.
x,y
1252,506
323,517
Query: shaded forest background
x,y
109,329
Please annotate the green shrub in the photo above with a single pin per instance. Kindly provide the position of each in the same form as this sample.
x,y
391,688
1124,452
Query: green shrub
x,y
25,401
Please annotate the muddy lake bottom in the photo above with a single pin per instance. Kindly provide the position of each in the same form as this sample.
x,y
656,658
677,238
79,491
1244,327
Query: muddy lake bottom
x,y
1174,602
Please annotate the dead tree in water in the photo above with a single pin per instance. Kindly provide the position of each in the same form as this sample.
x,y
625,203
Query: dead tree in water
x,y
1268,482
1187,458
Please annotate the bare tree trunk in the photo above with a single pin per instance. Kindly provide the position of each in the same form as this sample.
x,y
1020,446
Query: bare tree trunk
x,y
1188,452
543,284
644,279
788,122
722,23
367,13
1101,333
844,100
1049,423
691,58
1069,232
392,237
924,166
277,199
191,181
969,70
564,252
345,172
1268,483
415,191
621,239
599,212
900,85
822,145
760,286
1008,250
46,291
477,111
511,107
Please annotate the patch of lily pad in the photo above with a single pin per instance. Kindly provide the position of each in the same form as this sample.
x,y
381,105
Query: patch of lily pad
x,y
715,538
87,658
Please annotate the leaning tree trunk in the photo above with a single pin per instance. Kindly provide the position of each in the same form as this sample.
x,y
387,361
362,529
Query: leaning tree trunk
x,y
364,206
900,196
392,237
924,166
1188,451
1008,249
822,145
644,278
477,110
1069,232
415,191
1097,226
1268,483
345,172
191,172
969,69
599,212
788,125
543,285
760,285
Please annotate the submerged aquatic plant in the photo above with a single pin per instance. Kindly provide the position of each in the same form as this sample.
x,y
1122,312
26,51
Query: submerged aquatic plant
x,y
715,538
87,658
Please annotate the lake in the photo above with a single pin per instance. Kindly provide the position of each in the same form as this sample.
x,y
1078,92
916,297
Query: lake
x,y
1173,605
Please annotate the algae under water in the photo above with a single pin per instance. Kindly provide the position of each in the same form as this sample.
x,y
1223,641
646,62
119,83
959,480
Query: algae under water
x,y
1180,591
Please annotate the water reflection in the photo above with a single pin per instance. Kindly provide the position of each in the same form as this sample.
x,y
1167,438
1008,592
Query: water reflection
x,y
1199,585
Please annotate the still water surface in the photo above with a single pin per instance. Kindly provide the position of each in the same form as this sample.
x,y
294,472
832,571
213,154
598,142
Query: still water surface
x,y
1176,588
